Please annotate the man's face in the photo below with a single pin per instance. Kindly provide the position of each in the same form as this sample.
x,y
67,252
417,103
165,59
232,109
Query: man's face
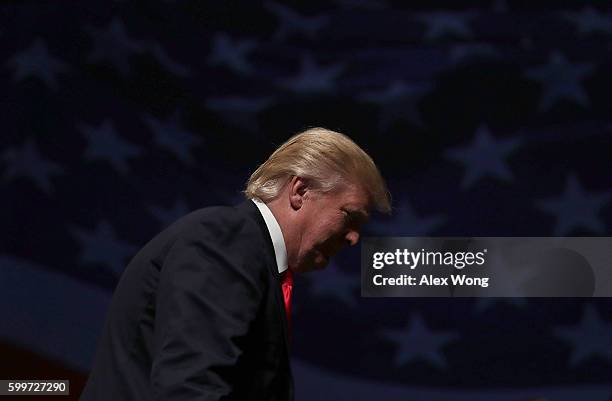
x,y
329,222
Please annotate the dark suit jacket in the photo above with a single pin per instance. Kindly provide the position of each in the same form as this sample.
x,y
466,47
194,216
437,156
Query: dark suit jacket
x,y
198,315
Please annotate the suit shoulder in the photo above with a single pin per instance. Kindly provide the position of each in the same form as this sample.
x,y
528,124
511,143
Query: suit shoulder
x,y
226,228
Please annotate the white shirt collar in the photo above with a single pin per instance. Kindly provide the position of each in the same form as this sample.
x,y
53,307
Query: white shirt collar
x,y
278,241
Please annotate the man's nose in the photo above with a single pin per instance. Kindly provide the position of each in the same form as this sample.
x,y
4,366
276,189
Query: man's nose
x,y
352,237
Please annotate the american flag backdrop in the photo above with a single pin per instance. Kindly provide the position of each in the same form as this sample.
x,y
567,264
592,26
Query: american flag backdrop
x,y
487,118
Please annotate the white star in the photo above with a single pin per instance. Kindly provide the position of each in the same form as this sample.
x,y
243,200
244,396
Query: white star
x,y
239,111
398,101
167,216
485,157
114,46
393,91
170,135
405,222
417,341
232,54
592,337
291,22
442,24
238,104
561,81
105,144
27,162
508,275
36,62
468,52
576,208
162,57
312,78
334,283
101,247
589,20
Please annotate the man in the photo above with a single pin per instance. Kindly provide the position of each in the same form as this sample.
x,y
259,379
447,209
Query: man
x,y
200,312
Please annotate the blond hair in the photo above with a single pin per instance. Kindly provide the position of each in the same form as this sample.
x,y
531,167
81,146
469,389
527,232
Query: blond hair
x,y
327,159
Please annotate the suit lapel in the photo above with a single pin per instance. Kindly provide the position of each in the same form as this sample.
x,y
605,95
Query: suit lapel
x,y
249,208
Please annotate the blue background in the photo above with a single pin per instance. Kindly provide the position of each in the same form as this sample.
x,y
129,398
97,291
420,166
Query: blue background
x,y
486,118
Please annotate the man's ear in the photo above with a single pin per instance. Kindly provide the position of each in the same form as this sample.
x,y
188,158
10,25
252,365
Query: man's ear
x,y
298,187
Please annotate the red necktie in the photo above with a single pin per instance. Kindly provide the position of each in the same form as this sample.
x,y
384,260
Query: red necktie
x,y
287,286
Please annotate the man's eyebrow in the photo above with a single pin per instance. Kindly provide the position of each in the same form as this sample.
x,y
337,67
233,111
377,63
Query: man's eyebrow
x,y
361,213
